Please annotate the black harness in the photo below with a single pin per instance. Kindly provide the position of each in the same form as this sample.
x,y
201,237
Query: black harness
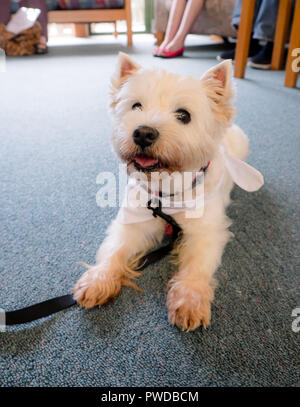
x,y
49,307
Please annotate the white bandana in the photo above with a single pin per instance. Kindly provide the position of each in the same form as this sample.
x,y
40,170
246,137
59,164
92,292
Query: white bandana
x,y
137,195
23,19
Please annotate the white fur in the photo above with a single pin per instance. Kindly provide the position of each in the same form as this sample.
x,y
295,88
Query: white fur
x,y
183,147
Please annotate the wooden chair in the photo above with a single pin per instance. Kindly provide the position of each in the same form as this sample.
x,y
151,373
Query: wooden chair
x,y
291,68
81,17
282,26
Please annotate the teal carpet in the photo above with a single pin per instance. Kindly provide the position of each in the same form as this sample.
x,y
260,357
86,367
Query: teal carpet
x,y
54,140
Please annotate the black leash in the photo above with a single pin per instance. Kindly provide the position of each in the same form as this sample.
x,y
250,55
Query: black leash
x,y
40,310
49,307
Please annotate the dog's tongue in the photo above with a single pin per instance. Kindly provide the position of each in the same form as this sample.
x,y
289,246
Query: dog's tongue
x,y
145,161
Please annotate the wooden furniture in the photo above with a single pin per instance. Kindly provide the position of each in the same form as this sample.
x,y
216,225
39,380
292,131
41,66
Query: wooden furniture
x,y
293,60
82,30
281,33
243,39
280,39
81,17
283,19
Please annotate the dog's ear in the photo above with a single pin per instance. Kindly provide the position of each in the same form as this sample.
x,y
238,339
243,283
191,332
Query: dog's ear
x,y
219,75
125,67
220,90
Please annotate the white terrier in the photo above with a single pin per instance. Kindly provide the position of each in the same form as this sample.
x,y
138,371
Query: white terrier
x,y
167,123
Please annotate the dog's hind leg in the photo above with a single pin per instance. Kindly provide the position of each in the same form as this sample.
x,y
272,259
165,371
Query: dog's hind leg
x,y
116,259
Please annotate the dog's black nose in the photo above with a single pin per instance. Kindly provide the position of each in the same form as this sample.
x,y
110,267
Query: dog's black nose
x,y
144,136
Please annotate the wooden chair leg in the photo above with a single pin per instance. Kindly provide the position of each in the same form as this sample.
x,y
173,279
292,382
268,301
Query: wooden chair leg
x,y
81,30
128,22
292,68
282,26
115,29
244,35
160,36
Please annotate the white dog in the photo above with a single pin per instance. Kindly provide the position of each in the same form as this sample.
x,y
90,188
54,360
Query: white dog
x,y
166,123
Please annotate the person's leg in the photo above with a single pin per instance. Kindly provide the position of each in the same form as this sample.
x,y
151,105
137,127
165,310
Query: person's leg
x,y
5,11
264,29
192,10
235,22
265,22
236,16
175,16
43,17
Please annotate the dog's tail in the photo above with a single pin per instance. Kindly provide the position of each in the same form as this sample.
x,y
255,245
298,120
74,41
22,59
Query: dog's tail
x,y
236,142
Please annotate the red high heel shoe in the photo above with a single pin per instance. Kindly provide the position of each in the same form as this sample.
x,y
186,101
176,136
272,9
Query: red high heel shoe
x,y
174,54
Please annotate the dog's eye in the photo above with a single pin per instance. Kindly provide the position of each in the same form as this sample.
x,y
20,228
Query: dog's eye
x,y
137,106
183,116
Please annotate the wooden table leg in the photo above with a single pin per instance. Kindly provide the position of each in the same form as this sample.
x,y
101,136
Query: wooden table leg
x,y
128,22
115,29
81,30
294,50
244,36
159,36
282,26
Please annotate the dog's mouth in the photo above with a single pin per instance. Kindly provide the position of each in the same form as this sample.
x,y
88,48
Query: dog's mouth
x,y
146,162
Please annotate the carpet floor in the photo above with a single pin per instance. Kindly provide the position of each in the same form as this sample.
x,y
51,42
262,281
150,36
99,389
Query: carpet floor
x,y
55,139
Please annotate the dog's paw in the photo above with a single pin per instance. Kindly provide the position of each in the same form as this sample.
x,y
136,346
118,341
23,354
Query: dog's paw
x,y
188,309
96,287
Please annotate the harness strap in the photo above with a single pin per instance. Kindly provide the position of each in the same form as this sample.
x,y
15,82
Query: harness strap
x,y
54,305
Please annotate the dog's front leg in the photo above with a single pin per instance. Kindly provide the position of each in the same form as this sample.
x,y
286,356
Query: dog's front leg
x,y
191,290
116,259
